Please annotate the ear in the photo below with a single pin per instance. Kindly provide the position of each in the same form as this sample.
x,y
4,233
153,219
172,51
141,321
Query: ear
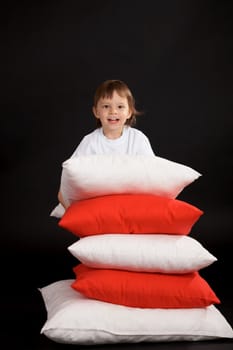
x,y
130,114
95,112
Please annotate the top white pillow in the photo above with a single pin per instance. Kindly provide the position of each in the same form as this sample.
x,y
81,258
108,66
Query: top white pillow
x,y
97,175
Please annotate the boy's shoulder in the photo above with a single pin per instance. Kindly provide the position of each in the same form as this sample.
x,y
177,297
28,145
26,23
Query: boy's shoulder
x,y
136,132
93,134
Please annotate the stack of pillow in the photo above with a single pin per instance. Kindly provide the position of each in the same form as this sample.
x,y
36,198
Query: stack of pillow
x,y
138,273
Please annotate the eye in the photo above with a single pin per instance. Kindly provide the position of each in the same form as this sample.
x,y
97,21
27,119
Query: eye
x,y
121,106
105,106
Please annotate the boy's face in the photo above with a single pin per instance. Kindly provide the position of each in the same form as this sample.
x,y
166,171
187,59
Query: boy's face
x,y
113,113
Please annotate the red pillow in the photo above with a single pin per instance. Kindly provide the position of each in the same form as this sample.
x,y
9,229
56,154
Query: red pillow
x,y
129,213
143,289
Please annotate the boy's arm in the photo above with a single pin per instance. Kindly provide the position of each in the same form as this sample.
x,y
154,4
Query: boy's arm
x,y
61,200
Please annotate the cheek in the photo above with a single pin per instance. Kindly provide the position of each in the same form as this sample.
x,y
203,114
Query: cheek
x,y
99,113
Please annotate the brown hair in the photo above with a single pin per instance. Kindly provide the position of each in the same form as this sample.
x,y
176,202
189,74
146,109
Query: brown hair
x,y
107,88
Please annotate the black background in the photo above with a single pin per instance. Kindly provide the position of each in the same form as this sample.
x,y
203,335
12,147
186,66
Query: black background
x,y
177,58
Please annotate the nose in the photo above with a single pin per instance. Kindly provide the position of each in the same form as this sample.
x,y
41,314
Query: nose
x,y
113,110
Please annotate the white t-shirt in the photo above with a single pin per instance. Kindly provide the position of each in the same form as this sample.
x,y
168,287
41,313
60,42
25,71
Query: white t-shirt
x,y
132,142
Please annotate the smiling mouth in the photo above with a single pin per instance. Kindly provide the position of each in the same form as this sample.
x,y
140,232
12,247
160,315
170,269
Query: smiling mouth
x,y
113,120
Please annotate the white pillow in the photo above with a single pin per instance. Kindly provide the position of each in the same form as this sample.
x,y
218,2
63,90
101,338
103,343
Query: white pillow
x,y
97,175
58,211
74,319
142,252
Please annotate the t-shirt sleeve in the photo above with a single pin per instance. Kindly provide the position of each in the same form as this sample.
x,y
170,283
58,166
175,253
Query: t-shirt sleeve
x,y
144,145
84,148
